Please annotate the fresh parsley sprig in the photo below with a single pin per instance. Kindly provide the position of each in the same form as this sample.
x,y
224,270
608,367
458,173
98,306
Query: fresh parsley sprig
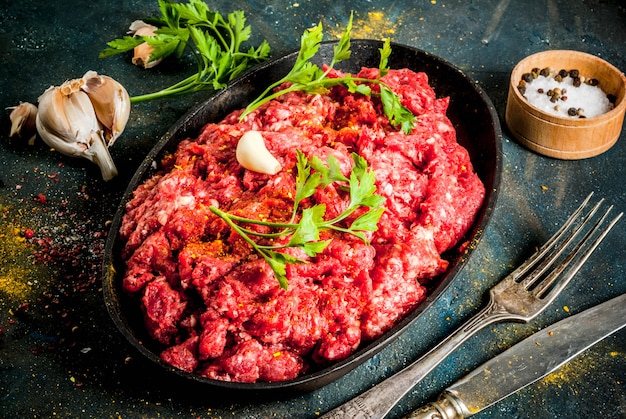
x,y
215,42
312,175
308,77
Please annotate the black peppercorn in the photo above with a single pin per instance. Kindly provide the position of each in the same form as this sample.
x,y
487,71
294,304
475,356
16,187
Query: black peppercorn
x,y
559,95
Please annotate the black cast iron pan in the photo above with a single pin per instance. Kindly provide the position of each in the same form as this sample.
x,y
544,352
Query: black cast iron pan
x,y
478,130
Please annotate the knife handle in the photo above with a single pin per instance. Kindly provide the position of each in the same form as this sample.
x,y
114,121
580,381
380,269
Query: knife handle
x,y
447,406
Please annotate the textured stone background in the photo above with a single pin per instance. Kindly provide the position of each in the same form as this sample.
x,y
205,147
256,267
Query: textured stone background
x,y
60,354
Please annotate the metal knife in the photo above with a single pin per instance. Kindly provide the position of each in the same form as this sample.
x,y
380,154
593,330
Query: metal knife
x,y
526,362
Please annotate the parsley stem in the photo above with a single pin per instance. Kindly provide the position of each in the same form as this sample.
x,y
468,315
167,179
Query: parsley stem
x,y
258,222
191,84
228,218
213,39
323,82
184,86
345,214
268,253
287,228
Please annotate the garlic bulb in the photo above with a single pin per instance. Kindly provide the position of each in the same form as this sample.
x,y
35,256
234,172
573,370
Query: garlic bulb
x,y
67,122
111,102
23,118
142,52
252,154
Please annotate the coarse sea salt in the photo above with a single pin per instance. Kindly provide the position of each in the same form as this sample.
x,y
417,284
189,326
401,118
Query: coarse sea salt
x,y
591,99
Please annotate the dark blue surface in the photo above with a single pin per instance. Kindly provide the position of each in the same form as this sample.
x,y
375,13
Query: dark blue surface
x,y
61,355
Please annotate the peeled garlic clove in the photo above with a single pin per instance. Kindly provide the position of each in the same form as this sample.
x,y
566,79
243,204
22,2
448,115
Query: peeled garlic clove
x,y
142,52
252,154
110,101
23,118
67,122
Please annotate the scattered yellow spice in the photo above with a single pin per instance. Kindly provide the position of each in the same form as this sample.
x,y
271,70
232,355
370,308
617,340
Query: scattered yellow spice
x,y
375,26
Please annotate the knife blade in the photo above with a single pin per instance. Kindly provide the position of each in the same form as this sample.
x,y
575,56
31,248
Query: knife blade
x,y
526,362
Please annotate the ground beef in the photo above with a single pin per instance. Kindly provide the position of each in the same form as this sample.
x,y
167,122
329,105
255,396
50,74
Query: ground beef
x,y
215,305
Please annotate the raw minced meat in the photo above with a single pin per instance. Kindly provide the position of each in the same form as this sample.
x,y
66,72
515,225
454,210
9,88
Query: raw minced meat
x,y
215,306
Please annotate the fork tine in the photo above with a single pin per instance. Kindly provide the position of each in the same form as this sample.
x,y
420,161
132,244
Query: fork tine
x,y
579,254
557,249
550,243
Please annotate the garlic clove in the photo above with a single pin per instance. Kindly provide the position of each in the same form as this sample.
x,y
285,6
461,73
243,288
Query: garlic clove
x,y
98,152
252,154
66,113
142,52
67,122
23,118
110,101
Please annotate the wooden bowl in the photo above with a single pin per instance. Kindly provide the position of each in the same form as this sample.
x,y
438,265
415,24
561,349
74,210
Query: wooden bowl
x,y
559,136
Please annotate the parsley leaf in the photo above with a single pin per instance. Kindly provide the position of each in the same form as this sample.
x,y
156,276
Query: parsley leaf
x,y
214,40
305,234
120,45
308,77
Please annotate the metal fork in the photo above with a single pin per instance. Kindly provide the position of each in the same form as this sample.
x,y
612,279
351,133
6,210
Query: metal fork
x,y
520,297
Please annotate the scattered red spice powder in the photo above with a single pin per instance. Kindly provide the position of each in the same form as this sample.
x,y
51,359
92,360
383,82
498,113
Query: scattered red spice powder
x,y
50,253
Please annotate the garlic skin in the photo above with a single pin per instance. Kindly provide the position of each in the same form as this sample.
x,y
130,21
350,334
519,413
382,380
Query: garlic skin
x,y
252,154
67,122
142,52
23,117
110,101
